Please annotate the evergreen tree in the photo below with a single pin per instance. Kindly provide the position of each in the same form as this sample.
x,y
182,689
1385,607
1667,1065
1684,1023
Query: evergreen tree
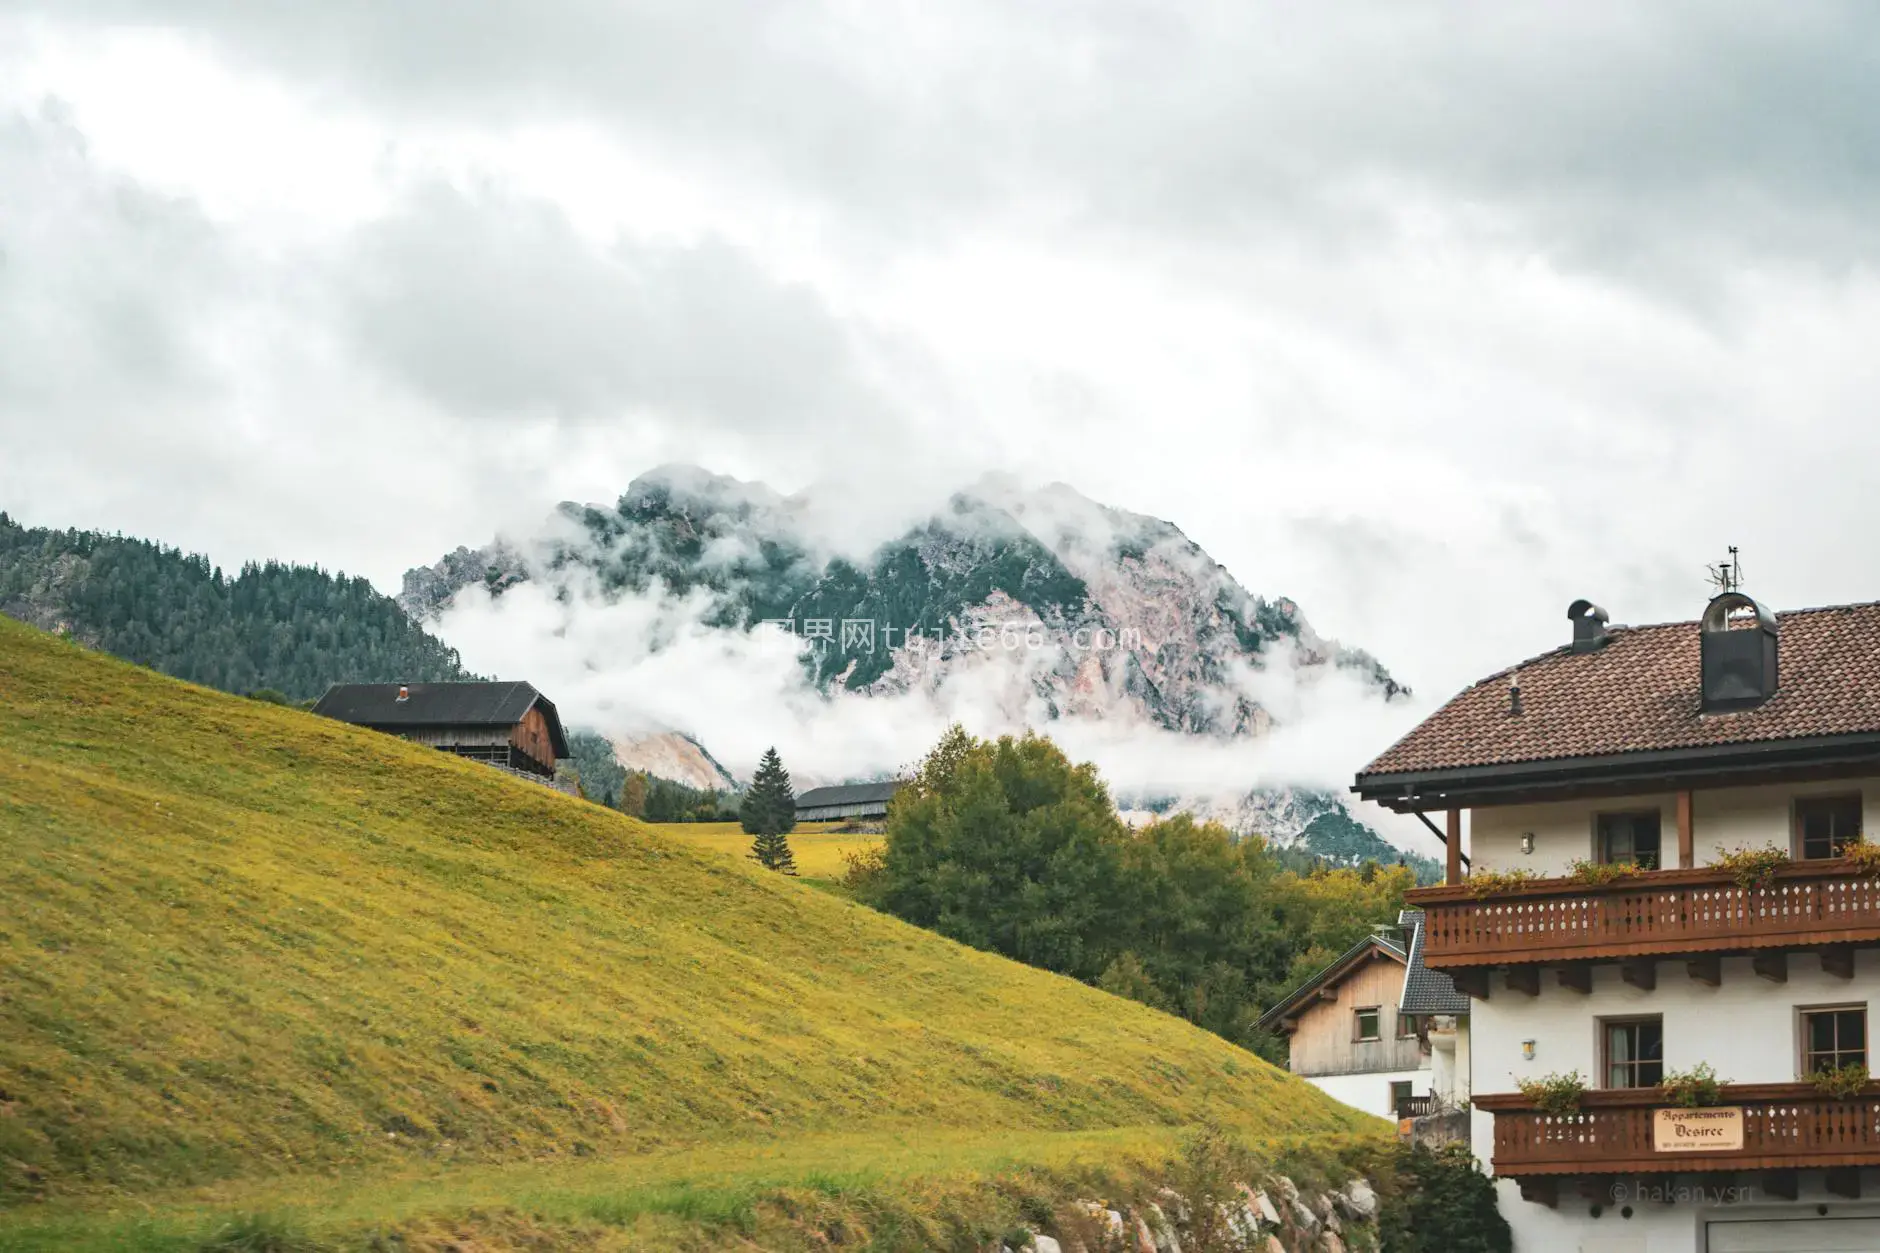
x,y
768,813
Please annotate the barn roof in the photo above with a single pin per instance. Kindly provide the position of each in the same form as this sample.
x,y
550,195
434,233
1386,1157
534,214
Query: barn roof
x,y
440,705
848,794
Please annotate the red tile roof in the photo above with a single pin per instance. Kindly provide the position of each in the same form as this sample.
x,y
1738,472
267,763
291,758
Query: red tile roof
x,y
1640,692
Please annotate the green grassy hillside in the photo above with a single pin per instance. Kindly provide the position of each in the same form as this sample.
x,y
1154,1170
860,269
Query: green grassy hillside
x,y
238,941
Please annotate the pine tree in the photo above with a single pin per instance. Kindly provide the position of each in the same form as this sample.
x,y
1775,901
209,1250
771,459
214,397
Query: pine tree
x,y
768,813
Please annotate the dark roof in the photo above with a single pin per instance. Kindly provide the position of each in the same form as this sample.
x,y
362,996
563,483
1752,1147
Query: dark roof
x,y
1425,991
440,705
848,794
1641,692
1345,963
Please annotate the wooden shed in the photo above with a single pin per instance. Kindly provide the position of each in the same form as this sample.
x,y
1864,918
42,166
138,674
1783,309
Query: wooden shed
x,y
508,724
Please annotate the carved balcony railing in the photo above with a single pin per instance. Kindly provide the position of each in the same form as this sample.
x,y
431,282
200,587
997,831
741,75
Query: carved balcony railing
x,y
1657,913
1783,1126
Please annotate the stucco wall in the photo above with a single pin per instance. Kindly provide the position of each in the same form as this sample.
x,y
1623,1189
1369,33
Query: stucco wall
x,y
1371,1093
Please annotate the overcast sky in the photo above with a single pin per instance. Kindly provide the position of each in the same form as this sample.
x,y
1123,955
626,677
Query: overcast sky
x,y
1433,317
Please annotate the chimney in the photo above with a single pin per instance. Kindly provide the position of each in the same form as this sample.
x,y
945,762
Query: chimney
x,y
1589,626
1514,694
404,693
1737,644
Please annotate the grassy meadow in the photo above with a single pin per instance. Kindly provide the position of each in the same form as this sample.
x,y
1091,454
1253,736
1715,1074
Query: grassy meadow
x,y
253,961
818,846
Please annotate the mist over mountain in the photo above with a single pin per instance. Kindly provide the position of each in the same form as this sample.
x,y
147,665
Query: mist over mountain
x,y
702,605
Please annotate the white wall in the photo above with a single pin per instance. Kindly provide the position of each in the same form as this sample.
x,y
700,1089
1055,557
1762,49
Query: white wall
x,y
1731,818
1370,1092
1746,1028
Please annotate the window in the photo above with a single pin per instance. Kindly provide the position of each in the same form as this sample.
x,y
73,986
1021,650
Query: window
x,y
1628,837
1825,825
1400,1094
1406,1026
1366,1025
1634,1052
1833,1038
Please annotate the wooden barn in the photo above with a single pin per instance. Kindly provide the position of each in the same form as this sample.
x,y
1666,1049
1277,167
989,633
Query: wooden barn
x,y
507,724
860,802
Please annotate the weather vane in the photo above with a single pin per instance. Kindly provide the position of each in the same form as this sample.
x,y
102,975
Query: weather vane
x,y
1727,576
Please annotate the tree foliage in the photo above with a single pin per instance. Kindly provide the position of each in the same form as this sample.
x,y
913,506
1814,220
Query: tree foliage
x,y
1008,846
769,805
273,628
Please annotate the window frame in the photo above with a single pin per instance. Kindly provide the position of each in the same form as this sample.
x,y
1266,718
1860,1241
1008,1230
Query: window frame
x,y
1803,1051
1357,1024
1604,1027
1798,847
1409,1091
1600,854
1406,1026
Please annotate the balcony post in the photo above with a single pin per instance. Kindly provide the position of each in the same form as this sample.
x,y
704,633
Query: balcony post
x,y
1452,872
1687,839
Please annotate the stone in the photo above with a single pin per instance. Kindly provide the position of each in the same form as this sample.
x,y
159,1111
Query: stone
x,y
1263,1206
1287,1189
1330,1243
1359,1200
1273,1245
1177,1206
1145,1239
1045,1244
1303,1217
1166,1240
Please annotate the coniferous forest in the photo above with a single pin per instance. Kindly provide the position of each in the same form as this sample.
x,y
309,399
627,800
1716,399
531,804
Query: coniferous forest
x,y
272,627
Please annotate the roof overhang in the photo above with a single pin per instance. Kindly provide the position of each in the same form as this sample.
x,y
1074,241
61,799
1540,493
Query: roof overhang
x,y
1675,769
1280,1017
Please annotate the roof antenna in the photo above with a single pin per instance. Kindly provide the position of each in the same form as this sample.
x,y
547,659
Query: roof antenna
x,y
1727,576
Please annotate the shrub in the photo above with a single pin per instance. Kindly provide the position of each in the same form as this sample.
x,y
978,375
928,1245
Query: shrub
x,y
1483,883
1558,1095
1600,873
1444,1204
864,871
1753,867
258,1233
1697,1086
1841,1082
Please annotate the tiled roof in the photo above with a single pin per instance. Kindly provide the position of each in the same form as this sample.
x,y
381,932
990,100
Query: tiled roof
x,y
1425,991
1640,692
1330,976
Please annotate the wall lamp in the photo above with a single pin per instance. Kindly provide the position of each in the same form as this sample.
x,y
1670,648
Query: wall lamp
x,y
1527,841
1527,1050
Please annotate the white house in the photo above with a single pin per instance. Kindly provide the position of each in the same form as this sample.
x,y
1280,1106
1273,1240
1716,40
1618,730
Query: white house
x,y
1607,930
1368,1028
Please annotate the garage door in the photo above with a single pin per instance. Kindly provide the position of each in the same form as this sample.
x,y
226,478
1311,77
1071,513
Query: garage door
x,y
1796,1235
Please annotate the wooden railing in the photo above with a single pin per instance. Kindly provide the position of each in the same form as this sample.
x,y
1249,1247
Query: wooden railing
x,y
1659,912
1418,1106
1785,1125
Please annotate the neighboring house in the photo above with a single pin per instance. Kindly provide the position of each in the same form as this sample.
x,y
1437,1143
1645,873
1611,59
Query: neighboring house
x,y
859,802
505,724
1619,770
1346,1034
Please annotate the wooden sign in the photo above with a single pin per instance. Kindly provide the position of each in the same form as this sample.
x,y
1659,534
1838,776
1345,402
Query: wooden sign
x,y
1713,1129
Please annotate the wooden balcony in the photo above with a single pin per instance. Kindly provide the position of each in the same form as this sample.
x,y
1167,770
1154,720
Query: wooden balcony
x,y
1786,1127
1825,904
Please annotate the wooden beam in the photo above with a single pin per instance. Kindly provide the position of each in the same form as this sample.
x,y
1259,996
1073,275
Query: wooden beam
x,y
1541,1191
1641,973
1772,965
1452,851
1577,977
1472,983
1687,836
1706,969
1780,1183
1844,1181
1524,979
1838,960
